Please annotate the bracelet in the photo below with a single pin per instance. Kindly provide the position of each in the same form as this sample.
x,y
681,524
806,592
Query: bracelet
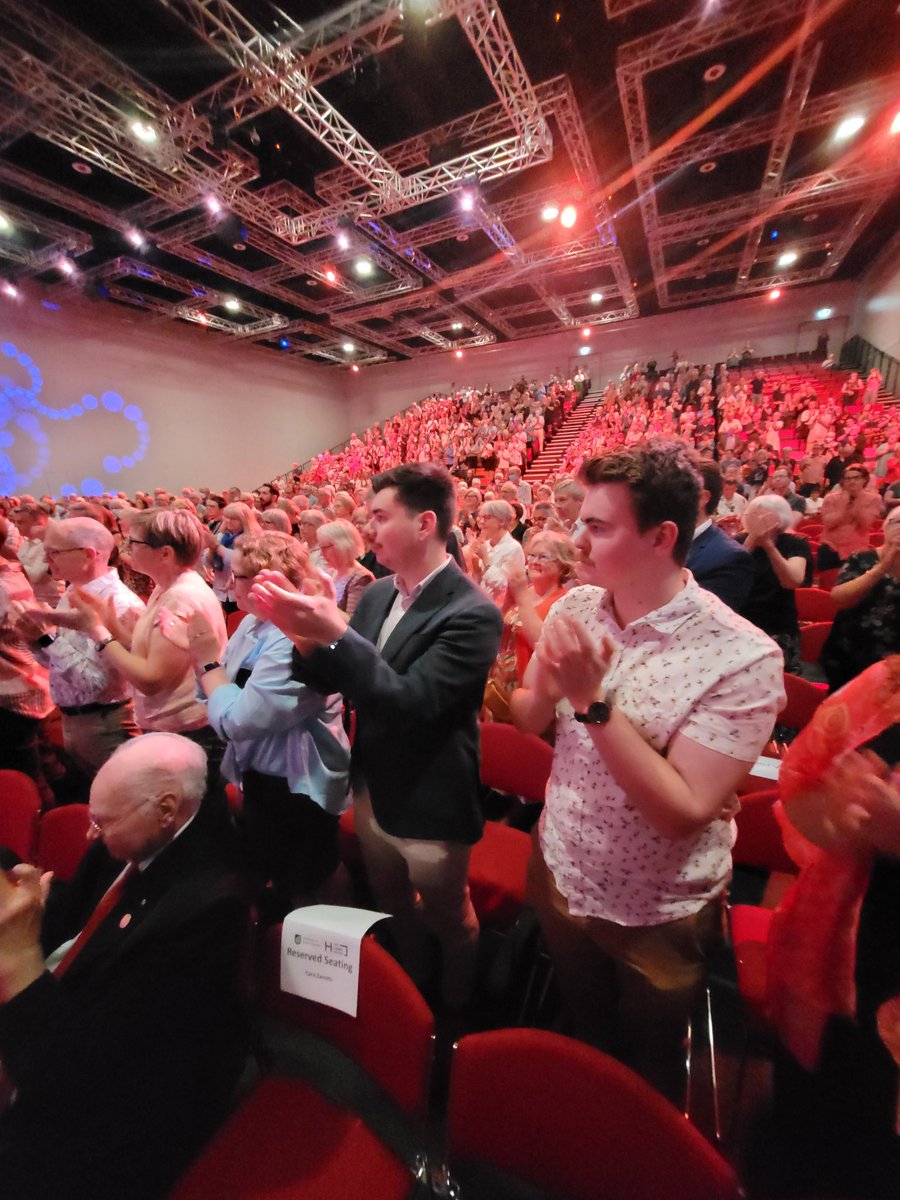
x,y
101,645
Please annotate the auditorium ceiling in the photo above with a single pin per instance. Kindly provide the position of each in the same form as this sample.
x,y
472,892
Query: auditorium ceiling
x,y
374,180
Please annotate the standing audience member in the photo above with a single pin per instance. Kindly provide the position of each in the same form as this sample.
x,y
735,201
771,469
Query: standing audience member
x,y
126,1047
413,663
32,522
496,551
848,515
341,546
94,697
662,698
717,562
782,562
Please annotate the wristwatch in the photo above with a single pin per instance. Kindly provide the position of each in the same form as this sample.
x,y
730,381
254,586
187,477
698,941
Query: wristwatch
x,y
597,713
207,667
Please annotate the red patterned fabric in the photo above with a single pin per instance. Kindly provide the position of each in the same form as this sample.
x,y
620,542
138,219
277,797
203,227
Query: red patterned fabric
x,y
812,944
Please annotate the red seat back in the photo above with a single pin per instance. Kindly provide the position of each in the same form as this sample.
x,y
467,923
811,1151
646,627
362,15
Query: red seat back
x,y
20,807
759,843
803,698
515,763
812,639
815,604
391,1035
564,1117
827,579
62,839
233,620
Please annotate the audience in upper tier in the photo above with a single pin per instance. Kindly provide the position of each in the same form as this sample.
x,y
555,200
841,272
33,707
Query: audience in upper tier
x,y
360,660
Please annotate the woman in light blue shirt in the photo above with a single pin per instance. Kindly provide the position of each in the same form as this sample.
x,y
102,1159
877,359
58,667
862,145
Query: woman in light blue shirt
x,y
285,744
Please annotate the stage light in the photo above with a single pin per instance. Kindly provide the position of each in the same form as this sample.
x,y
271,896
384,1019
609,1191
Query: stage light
x,y
10,291
549,212
787,259
823,314
774,235
284,343
135,238
144,132
849,127
330,276
214,204
584,350
354,368
233,305
456,325
568,216
775,294
363,267
202,319
5,223
585,333
895,124
458,353
466,201
596,297
66,266
348,347
343,241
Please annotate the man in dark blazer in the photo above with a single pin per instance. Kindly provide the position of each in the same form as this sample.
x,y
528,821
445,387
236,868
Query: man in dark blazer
x,y
718,563
413,663
125,1054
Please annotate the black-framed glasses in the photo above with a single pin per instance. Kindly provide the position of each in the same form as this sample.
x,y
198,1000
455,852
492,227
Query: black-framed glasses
x,y
135,541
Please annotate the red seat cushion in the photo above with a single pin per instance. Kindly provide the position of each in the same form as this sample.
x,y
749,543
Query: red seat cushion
x,y
287,1142
749,934
497,873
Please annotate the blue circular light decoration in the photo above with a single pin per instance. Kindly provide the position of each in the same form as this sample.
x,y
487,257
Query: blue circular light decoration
x,y
112,401
91,487
128,461
90,401
76,410
133,413
112,464
68,489
6,438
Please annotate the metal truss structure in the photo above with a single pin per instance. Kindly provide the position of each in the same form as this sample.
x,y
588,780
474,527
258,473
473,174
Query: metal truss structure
x,y
300,285
743,218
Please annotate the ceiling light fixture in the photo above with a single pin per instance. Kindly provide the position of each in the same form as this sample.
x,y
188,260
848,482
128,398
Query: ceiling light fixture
x,y
456,325
330,276
214,204
144,132
585,333
343,241
82,168
233,305
775,294
787,259
284,343
584,350
5,223
549,212
895,124
708,167
458,353
348,347
354,367
568,216
849,127
66,266
714,73
466,201
363,268
823,314
10,291
135,238
596,297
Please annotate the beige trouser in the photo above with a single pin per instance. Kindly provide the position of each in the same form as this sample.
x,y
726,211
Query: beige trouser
x,y
90,738
424,886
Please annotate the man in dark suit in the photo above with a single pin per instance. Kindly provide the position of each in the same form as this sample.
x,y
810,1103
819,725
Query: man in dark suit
x,y
125,1054
718,563
413,663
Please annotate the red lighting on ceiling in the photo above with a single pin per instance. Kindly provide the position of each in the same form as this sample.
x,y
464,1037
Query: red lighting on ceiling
x,y
568,216
330,276
585,333
354,368
775,294
458,353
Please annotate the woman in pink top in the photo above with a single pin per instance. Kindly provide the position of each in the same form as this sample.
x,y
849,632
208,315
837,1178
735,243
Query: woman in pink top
x,y
848,516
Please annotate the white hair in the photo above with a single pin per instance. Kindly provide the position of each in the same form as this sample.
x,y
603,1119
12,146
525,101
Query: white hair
x,y
169,762
776,504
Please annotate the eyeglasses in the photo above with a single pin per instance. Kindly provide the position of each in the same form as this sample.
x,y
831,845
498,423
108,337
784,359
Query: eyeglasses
x,y
541,558
98,830
135,542
66,550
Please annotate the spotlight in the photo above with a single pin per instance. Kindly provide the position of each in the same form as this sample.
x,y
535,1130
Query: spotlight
x,y
347,347
775,294
354,368
466,201
582,350
895,124
456,325
787,259
549,212
585,333
66,266
135,238
284,343
330,276
568,216
202,319
5,223
823,314
233,305
458,353
774,235
144,132
214,204
849,127
363,268
343,241
596,297
10,291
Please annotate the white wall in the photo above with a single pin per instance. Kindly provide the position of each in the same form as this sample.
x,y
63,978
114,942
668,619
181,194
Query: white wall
x,y
878,308
216,412
785,326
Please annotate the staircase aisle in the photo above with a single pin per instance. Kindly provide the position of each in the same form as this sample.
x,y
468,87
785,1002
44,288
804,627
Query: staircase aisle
x,y
549,462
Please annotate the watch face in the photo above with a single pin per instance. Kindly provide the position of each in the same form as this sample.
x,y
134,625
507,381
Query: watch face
x,y
597,713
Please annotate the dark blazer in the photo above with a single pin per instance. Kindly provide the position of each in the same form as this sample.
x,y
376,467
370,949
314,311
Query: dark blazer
x,y
721,566
417,703
126,1064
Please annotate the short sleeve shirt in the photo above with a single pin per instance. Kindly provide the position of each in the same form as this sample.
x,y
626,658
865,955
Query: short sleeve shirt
x,y
693,667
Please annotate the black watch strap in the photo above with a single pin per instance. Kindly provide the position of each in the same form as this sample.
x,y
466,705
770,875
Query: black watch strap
x,y
597,713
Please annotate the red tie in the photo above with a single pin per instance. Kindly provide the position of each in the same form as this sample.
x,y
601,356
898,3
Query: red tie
x,y
108,902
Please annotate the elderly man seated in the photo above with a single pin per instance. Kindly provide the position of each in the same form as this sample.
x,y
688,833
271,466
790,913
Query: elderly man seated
x,y
124,1047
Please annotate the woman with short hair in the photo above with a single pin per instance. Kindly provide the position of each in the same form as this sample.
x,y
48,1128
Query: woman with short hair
x,y
341,546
